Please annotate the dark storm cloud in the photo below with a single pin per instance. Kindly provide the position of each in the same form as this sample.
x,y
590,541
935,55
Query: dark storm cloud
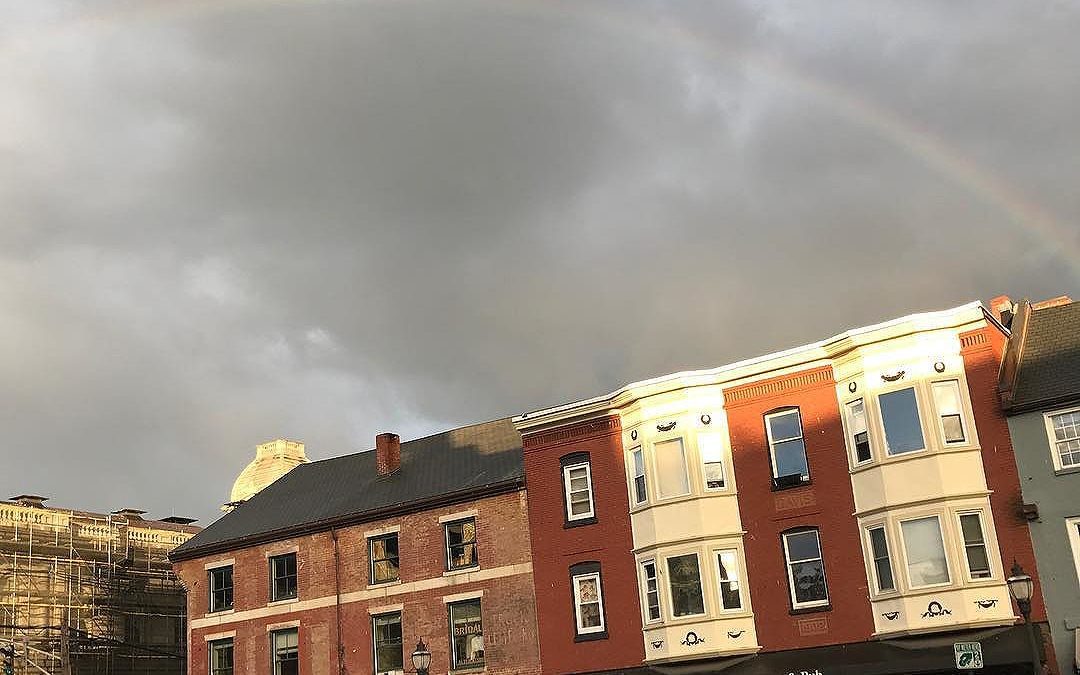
x,y
226,222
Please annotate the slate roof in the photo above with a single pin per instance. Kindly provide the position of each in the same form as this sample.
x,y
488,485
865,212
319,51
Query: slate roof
x,y
455,465
1049,368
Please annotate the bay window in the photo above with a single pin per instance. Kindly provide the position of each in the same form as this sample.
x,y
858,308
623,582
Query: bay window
x,y
727,569
978,562
857,432
652,590
712,460
640,495
900,416
671,476
879,550
950,411
684,585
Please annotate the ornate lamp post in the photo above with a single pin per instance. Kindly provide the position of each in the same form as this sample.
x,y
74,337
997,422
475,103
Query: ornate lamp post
x,y
1021,588
421,658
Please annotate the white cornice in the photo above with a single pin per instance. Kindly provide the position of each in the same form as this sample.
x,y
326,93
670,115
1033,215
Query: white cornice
x,y
760,366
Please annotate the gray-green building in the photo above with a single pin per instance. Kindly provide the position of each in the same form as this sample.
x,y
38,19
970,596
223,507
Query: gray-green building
x,y
1040,393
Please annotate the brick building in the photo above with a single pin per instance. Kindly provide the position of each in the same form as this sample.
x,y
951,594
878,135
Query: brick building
x,y
849,506
342,565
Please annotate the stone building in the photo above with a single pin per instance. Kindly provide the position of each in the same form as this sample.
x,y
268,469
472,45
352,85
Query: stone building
x,y
272,461
1040,392
86,593
345,564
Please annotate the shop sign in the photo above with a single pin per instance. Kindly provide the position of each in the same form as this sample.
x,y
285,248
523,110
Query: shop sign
x,y
968,655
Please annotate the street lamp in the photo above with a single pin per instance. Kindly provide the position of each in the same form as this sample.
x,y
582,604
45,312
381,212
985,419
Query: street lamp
x,y
421,658
1021,588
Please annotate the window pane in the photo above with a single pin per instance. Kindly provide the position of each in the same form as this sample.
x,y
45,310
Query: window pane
x,y
975,546
790,458
900,413
466,629
684,576
221,657
882,565
728,572
925,552
809,581
712,458
639,475
652,591
285,654
1067,438
587,597
785,426
859,436
283,577
947,401
803,546
671,468
389,656
384,558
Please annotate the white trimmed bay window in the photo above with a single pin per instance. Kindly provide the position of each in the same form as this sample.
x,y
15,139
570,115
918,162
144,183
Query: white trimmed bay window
x,y
927,564
900,417
684,585
672,479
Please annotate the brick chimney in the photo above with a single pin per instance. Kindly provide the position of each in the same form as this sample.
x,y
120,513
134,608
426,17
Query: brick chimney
x,y
387,453
1003,308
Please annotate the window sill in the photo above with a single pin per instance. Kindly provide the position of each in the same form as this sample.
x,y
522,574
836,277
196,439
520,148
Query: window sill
x,y
283,601
461,570
810,610
589,637
1067,470
383,584
796,486
467,671
220,612
580,522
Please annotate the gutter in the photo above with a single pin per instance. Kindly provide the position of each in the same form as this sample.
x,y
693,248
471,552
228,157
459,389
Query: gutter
x,y
347,520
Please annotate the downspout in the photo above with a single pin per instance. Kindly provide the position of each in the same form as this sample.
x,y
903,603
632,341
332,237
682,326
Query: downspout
x,y
337,602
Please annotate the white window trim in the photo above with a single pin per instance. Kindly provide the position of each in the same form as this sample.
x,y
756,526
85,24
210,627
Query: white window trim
x,y
738,580
374,647
801,436
582,630
701,582
686,468
1072,526
965,427
724,461
944,546
849,431
920,411
795,604
645,591
884,527
1049,424
633,477
210,650
963,544
591,513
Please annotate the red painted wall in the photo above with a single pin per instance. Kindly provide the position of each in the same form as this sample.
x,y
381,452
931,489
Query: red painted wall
x,y
608,541
827,504
508,604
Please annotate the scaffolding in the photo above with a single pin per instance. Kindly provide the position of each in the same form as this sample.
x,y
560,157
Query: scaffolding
x,y
90,594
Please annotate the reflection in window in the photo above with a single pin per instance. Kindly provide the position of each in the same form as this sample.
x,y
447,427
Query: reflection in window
x,y
926,561
461,544
900,414
879,547
806,570
727,566
684,579
786,446
671,479
467,634
384,558
588,603
947,401
712,459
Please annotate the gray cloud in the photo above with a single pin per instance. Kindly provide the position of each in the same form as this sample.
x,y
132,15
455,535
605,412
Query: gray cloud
x,y
226,222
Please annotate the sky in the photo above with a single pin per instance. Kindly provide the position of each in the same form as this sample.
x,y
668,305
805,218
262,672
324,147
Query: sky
x,y
227,221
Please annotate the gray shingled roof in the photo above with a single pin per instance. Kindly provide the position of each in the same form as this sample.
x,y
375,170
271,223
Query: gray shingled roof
x,y
451,465
1050,364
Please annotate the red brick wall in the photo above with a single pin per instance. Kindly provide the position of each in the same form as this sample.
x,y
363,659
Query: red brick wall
x,y
508,602
827,504
608,541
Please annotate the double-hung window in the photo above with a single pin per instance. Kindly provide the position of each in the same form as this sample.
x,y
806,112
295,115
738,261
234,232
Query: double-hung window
x,y
671,476
927,564
879,549
651,587
466,635
712,460
900,416
386,643
860,439
1064,430
684,583
950,411
806,569
461,544
383,552
285,651
1072,532
221,588
786,448
282,577
221,657
640,494
978,562
727,574
588,598
578,487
